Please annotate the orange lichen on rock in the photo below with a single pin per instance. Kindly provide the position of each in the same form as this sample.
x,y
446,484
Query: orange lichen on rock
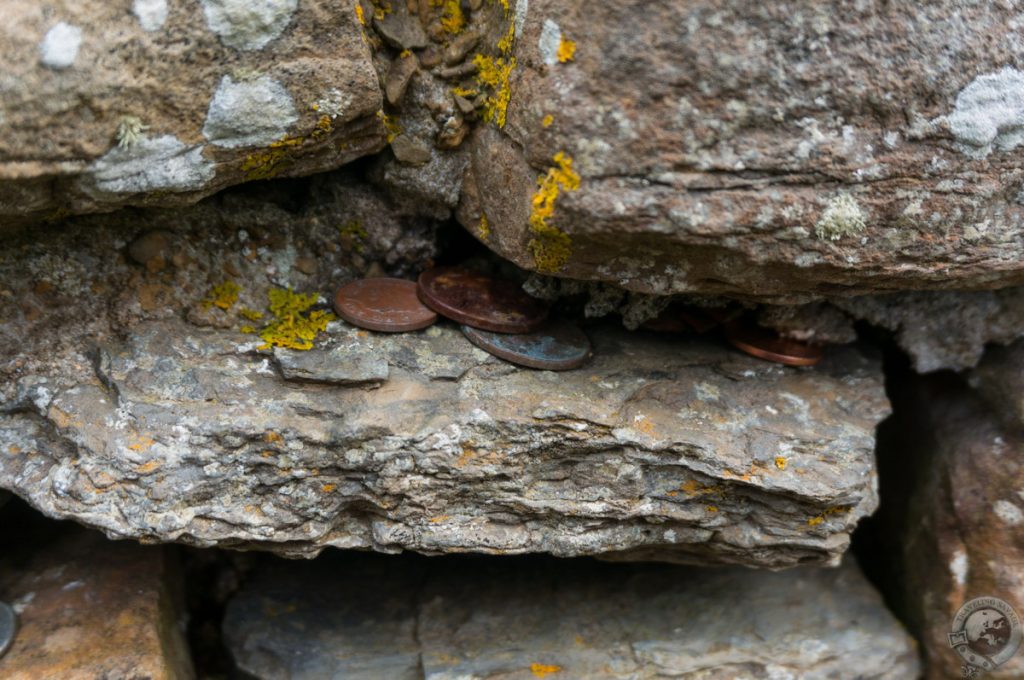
x,y
566,50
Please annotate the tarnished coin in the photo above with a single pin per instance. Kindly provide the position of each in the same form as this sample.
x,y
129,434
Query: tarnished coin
x,y
766,344
383,304
479,301
555,346
8,627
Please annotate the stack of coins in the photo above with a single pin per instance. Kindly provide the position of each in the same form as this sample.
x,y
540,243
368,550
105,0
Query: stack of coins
x,y
500,318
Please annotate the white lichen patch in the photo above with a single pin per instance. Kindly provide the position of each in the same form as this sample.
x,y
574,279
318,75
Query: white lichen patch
x,y
549,41
59,47
152,14
249,113
841,217
989,114
334,103
958,567
1008,512
248,24
519,19
160,164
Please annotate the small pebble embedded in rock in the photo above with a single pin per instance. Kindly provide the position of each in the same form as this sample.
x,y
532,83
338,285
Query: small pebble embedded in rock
x,y
383,304
8,627
556,346
765,344
480,301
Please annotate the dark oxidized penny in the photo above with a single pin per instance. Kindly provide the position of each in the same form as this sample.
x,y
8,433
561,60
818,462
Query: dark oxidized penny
x,y
8,627
555,346
382,304
479,301
766,344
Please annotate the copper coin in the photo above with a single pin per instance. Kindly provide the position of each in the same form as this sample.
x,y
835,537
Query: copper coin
x,y
555,346
479,301
382,304
766,344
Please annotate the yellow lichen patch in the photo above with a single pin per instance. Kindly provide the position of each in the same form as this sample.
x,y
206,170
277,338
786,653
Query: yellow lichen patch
x,y
550,246
327,488
353,233
453,21
780,462
834,510
148,467
548,120
359,13
711,509
13,450
815,521
381,8
541,670
250,314
223,295
566,50
440,518
391,127
267,163
483,230
494,73
141,443
293,326
272,437
508,40
464,92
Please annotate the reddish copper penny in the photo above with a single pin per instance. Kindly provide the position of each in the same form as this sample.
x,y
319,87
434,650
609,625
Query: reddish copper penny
x,y
766,344
382,304
479,301
555,346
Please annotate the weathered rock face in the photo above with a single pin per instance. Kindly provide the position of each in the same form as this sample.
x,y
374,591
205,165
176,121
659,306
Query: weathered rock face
x,y
659,449
777,151
163,102
999,378
365,617
952,512
89,608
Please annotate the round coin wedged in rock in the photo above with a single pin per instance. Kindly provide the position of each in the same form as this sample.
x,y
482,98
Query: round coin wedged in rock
x,y
479,301
383,304
555,346
766,344
8,627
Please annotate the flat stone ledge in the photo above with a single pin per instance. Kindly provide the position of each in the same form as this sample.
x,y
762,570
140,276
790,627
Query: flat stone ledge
x,y
659,449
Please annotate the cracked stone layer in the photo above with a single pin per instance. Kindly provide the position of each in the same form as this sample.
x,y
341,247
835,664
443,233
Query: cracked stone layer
x,y
161,70
364,617
785,151
658,449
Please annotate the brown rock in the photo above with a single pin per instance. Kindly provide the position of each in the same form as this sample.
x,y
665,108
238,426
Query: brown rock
x,y
400,73
151,246
410,151
1000,380
952,513
92,608
401,30
104,106
779,151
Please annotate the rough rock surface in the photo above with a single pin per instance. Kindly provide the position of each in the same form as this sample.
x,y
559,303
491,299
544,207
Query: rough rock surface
x,y
780,151
658,449
157,102
89,608
999,378
952,511
372,617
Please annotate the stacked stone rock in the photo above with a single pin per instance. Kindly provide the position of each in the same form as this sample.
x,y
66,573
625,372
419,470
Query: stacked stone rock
x,y
821,163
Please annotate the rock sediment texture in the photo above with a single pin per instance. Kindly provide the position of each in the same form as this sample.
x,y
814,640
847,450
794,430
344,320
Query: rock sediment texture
x,y
782,151
684,451
161,103
368,617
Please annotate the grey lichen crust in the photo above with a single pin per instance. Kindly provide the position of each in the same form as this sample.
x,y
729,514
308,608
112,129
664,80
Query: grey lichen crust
x,y
661,450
